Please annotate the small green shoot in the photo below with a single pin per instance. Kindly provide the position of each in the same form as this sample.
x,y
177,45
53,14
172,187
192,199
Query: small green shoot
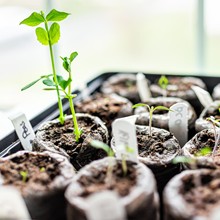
x,y
48,36
42,169
216,125
204,151
163,82
24,175
65,87
151,110
124,158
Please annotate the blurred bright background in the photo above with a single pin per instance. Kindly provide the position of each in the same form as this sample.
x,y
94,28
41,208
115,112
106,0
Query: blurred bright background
x,y
153,36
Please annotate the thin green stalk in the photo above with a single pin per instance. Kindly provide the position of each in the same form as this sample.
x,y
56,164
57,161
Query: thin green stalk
x,y
60,105
76,127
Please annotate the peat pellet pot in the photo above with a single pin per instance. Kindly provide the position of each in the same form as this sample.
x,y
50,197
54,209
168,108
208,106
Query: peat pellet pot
x,y
54,137
136,191
193,195
42,179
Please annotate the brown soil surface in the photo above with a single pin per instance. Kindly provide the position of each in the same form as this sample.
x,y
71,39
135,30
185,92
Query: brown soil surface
x,y
204,197
40,169
81,152
119,182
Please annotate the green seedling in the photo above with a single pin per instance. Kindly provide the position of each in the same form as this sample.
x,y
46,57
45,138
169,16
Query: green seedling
x,y
216,125
163,82
151,110
24,175
42,169
48,36
204,151
124,158
65,87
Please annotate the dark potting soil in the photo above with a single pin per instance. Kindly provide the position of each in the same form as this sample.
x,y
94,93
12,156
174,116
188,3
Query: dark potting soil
x,y
205,138
119,182
40,169
154,146
206,196
80,154
106,107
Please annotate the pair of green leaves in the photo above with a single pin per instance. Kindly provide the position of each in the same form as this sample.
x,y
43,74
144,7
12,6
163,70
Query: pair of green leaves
x,y
163,82
44,36
151,109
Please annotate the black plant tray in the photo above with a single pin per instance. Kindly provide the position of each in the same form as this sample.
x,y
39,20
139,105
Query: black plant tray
x,y
10,144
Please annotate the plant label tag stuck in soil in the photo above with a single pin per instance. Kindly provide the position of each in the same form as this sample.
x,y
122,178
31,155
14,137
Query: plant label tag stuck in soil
x,y
178,122
124,132
143,88
12,204
203,96
23,129
105,205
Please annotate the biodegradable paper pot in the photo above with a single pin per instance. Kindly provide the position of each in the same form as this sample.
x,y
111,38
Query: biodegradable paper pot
x,y
140,202
124,85
43,191
157,153
54,137
202,139
107,107
181,87
185,200
160,118
212,110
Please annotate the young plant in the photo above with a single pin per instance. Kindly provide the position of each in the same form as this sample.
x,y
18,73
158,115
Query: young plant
x,y
151,110
216,124
163,83
65,87
24,175
48,36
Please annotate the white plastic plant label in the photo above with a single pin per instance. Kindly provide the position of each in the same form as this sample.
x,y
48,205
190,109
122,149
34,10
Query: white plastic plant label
x,y
143,88
23,129
124,132
105,205
178,122
203,96
12,205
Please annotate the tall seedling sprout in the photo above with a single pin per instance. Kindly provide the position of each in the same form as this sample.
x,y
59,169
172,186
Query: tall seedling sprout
x,y
151,110
48,36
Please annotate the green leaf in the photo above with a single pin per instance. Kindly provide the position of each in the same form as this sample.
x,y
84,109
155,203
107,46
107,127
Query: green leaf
x,y
103,146
163,82
48,82
162,108
55,15
42,36
66,64
204,151
24,175
49,89
73,56
54,33
139,105
31,84
62,82
33,20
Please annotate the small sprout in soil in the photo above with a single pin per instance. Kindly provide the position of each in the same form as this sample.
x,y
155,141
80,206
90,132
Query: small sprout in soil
x,y
151,110
65,87
42,169
24,175
216,126
123,161
163,82
204,151
49,35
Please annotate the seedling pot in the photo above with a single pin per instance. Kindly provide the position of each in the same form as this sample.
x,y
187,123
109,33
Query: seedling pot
x,y
107,107
160,118
54,137
43,190
124,85
139,200
212,110
184,200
